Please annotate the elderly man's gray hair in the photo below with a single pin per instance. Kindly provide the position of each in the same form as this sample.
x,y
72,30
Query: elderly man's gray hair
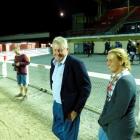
x,y
60,41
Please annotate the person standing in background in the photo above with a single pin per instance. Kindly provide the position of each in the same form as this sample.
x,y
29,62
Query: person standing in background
x,y
138,49
107,47
20,66
71,87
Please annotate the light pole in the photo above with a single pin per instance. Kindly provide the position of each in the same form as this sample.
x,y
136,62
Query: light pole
x,y
128,5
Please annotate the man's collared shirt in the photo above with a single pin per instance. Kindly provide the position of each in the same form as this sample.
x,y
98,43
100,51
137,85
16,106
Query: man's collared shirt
x,y
57,79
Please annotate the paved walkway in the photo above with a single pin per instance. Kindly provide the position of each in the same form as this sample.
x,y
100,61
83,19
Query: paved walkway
x,y
31,119
24,120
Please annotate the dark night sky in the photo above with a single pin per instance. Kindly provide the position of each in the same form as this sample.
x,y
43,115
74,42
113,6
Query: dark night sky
x,y
24,17
42,16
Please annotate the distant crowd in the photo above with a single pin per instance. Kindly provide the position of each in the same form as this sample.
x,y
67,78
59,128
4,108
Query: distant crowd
x,y
133,49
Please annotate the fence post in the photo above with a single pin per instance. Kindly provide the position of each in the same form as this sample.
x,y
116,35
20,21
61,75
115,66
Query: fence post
x,y
4,66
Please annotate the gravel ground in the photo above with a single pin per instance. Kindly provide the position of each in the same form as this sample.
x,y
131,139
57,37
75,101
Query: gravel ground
x,y
23,120
31,119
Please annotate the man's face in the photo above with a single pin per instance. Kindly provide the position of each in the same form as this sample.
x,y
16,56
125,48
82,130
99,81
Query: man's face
x,y
113,63
59,52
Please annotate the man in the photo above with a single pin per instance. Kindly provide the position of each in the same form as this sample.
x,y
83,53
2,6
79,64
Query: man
x,y
20,66
71,87
107,47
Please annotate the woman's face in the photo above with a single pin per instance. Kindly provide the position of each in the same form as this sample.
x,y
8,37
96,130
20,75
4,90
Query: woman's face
x,y
113,63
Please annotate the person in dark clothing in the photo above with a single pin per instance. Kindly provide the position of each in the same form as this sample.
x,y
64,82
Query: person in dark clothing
x,y
138,49
20,66
84,48
117,118
88,49
129,44
92,47
71,87
118,44
132,52
107,47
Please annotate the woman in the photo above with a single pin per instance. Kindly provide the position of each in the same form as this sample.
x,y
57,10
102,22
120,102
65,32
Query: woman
x,y
117,118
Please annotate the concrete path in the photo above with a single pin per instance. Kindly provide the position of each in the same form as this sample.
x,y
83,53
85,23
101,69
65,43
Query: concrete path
x,y
31,119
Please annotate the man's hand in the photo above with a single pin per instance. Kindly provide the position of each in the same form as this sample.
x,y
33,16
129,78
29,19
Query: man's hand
x,y
72,115
17,64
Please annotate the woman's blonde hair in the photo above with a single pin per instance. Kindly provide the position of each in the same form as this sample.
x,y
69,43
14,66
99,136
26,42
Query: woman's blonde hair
x,y
122,56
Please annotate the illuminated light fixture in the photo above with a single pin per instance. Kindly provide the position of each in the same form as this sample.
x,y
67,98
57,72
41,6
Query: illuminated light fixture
x,y
61,14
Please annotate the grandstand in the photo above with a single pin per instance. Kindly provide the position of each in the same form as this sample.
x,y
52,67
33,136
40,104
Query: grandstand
x,y
111,22
132,23
135,16
109,19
